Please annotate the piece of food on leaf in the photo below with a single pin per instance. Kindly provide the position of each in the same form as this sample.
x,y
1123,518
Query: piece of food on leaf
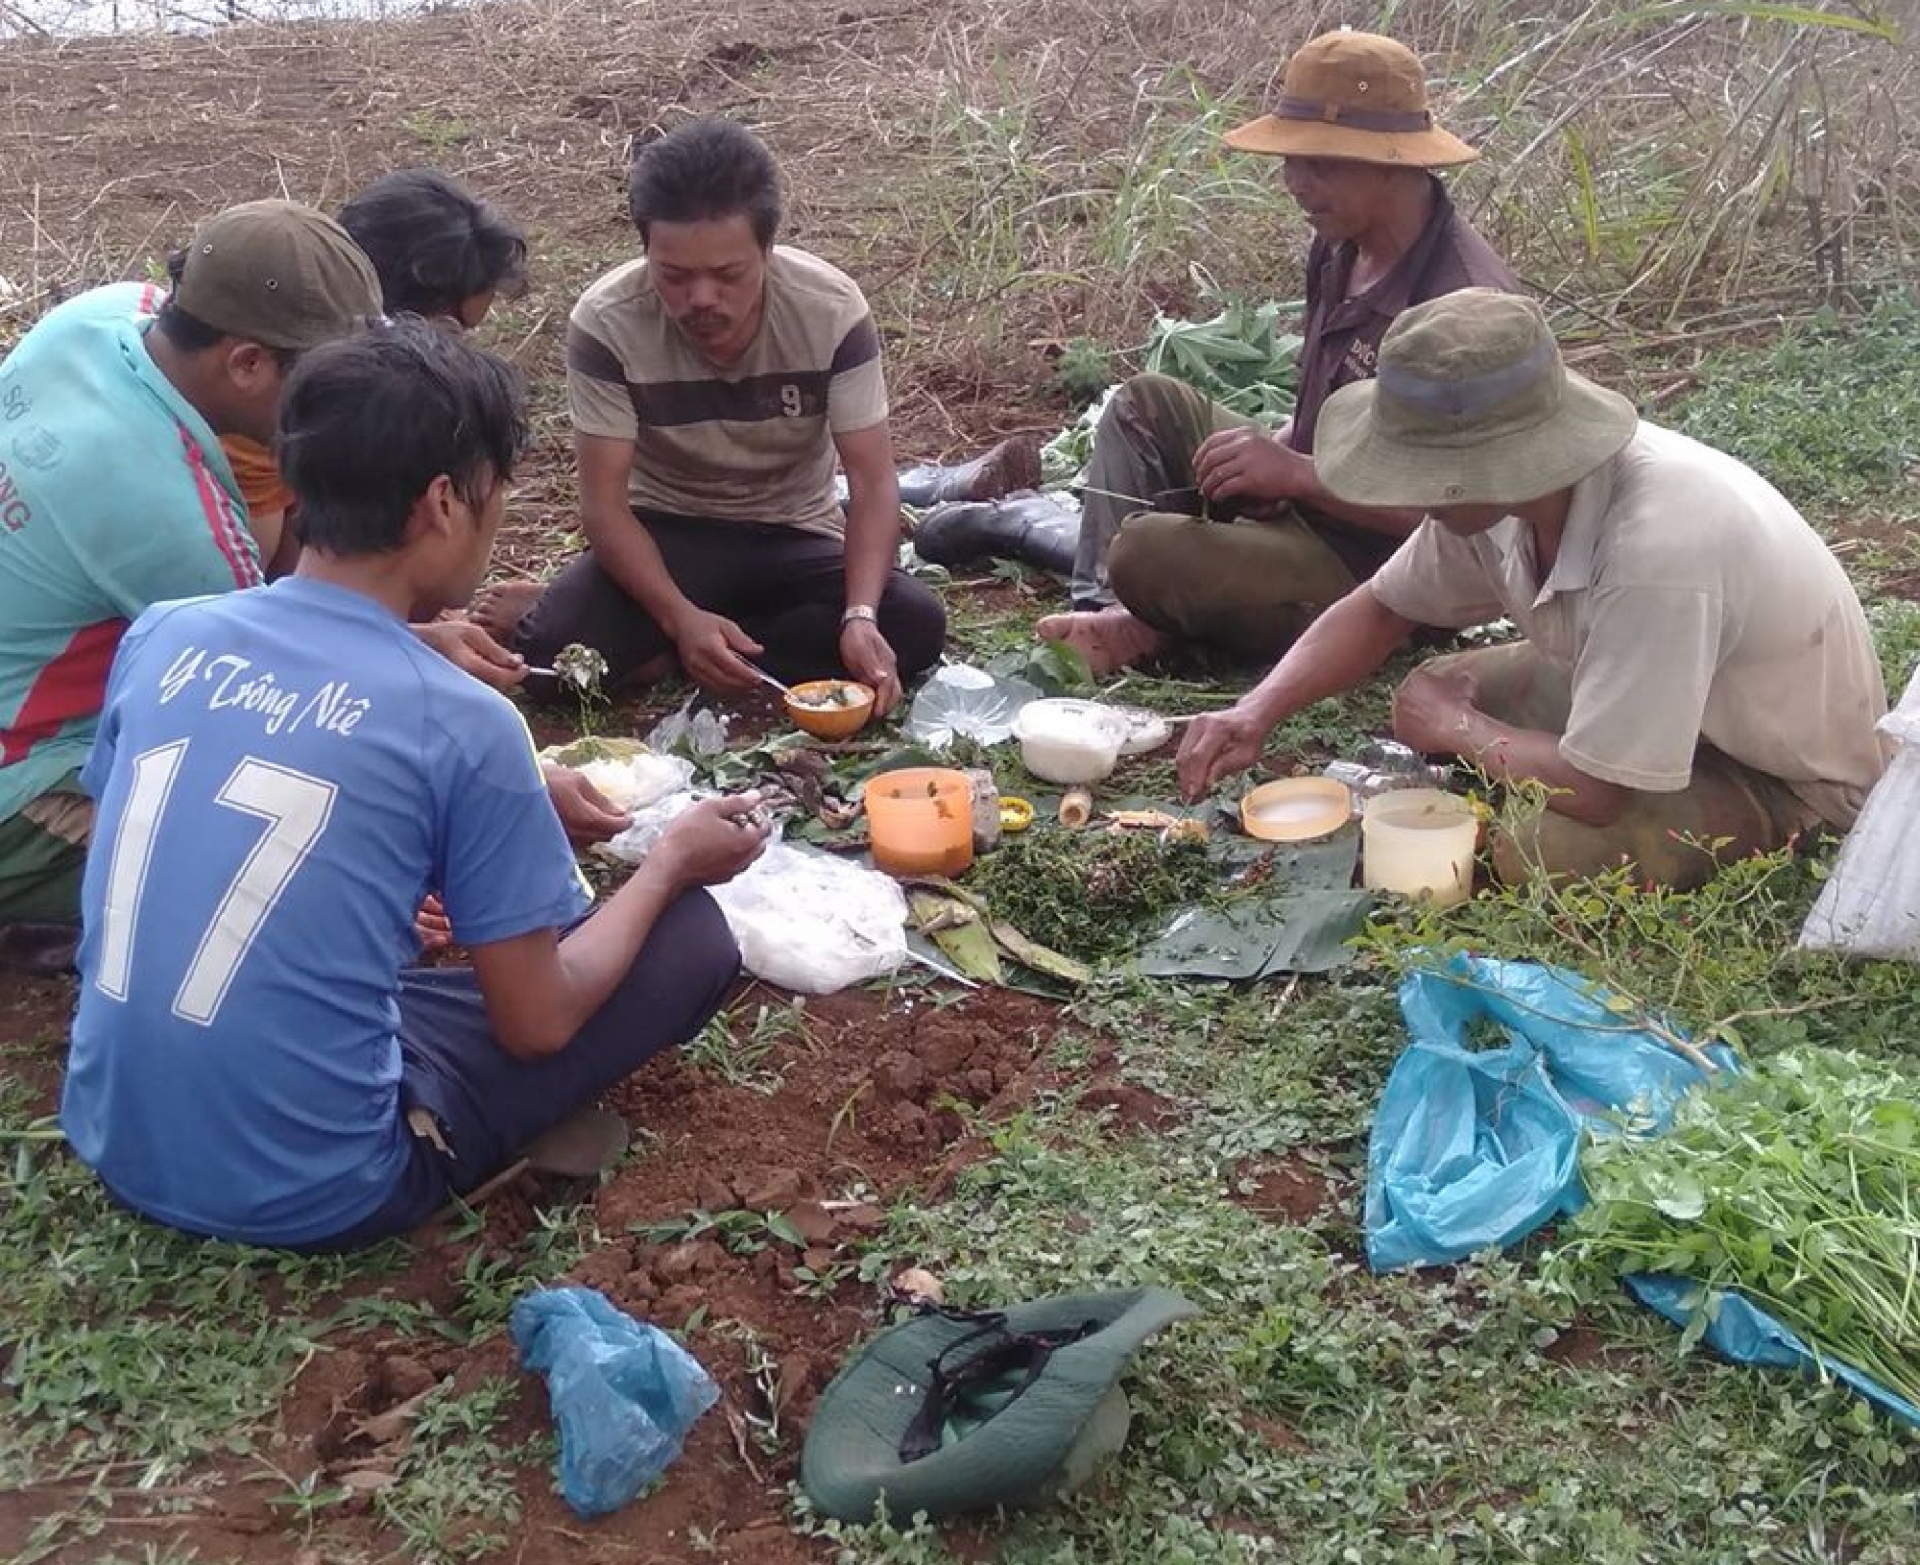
x,y
580,668
1149,820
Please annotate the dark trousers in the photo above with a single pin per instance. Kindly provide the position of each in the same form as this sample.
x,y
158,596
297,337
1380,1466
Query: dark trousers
x,y
489,1105
783,587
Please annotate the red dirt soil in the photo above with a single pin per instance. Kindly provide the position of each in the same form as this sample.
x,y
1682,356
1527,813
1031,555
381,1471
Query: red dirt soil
x,y
874,1105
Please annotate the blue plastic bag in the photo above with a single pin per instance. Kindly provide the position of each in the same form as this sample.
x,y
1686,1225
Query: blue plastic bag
x,y
623,1393
1476,1148
1473,1148
1740,1330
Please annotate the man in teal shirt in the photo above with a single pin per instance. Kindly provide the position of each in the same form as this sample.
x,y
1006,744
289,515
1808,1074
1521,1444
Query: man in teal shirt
x,y
114,493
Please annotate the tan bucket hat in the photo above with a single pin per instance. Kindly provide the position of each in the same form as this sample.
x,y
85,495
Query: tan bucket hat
x,y
1471,406
1357,96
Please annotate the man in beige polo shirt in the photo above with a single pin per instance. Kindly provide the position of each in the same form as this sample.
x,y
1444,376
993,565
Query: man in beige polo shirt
x,y
715,384
1696,664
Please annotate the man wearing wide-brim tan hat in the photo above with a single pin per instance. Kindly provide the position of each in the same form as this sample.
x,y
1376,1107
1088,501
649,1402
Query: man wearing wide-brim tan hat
x,y
1201,526
1696,668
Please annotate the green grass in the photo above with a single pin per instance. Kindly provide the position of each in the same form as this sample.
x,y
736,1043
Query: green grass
x,y
1315,1412
134,1354
1830,411
453,1498
132,1344
1318,1413
743,1046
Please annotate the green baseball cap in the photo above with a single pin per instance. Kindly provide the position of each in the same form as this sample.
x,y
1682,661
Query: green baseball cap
x,y
278,273
1470,405
958,1411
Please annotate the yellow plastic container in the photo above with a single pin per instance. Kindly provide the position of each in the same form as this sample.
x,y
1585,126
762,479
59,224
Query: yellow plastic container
x,y
1419,842
920,821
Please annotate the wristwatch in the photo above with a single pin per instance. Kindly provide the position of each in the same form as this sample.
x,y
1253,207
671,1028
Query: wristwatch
x,y
860,611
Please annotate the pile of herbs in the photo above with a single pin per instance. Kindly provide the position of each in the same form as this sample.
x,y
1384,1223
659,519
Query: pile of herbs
x,y
1797,1184
1240,358
1092,894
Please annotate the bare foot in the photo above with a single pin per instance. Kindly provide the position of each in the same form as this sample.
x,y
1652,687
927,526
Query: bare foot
x,y
499,609
1109,639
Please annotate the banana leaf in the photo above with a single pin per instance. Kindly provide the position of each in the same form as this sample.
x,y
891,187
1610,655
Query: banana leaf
x,y
942,909
960,933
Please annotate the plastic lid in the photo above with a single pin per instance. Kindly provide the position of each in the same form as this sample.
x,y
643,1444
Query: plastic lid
x,y
1296,809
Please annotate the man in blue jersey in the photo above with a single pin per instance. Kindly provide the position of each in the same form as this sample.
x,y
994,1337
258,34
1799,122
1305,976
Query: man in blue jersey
x,y
114,494
281,776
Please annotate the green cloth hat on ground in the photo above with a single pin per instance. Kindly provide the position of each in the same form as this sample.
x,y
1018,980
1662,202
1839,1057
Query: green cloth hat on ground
x,y
962,1411
1471,405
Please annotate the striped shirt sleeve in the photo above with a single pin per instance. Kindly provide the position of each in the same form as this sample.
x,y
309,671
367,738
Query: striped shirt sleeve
x,y
856,385
597,393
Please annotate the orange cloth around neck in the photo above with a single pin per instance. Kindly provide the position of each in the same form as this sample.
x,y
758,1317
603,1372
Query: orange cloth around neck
x,y
266,493
261,485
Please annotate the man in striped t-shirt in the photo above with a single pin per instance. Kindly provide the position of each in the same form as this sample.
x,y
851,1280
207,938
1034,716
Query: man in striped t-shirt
x,y
114,495
715,384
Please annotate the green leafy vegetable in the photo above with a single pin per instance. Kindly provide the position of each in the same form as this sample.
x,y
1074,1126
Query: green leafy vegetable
x,y
1798,1185
1240,358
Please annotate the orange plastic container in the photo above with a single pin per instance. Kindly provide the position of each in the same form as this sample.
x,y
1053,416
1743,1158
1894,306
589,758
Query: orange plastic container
x,y
920,821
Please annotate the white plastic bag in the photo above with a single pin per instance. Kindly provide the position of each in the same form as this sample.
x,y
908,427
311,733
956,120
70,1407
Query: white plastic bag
x,y
805,920
638,781
813,923
1871,904
960,699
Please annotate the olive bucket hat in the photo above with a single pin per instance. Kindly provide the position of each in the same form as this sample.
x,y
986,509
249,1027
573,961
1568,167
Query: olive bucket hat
x,y
278,273
958,1410
1357,96
1471,405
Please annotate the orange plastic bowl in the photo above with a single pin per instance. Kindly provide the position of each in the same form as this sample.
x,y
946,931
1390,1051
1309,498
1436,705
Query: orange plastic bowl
x,y
842,710
920,821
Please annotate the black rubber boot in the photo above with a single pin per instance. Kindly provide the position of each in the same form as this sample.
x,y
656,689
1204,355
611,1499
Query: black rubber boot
x,y
1030,528
1013,464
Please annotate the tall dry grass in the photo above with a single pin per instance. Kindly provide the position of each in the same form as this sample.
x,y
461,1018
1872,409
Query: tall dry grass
x,y
1005,176
1675,168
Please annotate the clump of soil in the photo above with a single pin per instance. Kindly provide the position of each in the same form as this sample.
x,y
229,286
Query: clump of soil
x,y
1289,1189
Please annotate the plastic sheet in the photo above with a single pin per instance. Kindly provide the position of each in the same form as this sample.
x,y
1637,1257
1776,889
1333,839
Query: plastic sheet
x,y
1741,1331
967,702
623,1393
1475,1147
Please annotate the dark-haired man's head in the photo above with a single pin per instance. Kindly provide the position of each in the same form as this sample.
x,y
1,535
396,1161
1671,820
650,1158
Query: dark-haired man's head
x,y
400,442
258,285
706,199
439,249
